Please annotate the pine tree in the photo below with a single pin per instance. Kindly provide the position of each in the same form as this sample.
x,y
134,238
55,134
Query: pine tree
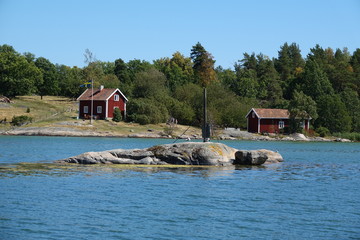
x,y
203,65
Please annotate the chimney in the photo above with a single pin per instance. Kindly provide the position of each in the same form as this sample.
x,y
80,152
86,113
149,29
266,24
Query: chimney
x,y
101,87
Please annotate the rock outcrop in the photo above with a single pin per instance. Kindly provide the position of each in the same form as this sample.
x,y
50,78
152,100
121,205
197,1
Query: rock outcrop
x,y
188,153
256,157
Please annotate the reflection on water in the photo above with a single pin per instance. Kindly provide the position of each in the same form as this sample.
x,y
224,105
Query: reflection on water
x,y
53,169
314,194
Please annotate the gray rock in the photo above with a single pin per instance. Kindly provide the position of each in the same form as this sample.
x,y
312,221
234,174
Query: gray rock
x,y
187,153
299,137
256,157
342,140
195,153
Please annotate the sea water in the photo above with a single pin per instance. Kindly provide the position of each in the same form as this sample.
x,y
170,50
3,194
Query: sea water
x,y
313,194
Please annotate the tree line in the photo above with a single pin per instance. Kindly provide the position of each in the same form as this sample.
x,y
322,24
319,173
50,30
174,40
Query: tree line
x,y
325,84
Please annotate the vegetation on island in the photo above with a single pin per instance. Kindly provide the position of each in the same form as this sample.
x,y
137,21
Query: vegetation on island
x,y
325,84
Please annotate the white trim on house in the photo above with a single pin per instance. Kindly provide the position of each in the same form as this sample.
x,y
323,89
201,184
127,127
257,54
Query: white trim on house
x,y
259,125
250,112
82,94
115,92
106,109
99,109
281,124
124,110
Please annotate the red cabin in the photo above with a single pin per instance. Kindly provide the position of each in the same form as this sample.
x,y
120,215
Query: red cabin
x,y
266,120
104,102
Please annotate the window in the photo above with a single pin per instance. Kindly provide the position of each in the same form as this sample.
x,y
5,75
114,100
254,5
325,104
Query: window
x,y
302,124
281,124
86,109
116,97
253,115
99,109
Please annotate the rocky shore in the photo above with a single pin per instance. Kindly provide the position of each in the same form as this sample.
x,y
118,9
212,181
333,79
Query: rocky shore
x,y
226,134
186,153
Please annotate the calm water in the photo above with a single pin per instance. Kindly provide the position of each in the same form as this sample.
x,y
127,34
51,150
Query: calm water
x,y
314,194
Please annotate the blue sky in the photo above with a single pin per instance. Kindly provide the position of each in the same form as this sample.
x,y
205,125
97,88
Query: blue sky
x,y
61,30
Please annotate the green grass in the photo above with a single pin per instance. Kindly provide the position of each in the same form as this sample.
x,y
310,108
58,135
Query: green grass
x,y
54,111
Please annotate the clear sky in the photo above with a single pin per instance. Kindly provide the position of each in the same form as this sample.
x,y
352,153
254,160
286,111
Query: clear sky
x,y
61,30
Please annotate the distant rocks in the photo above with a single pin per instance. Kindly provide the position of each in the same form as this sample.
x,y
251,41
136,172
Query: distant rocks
x,y
233,134
296,137
75,129
188,153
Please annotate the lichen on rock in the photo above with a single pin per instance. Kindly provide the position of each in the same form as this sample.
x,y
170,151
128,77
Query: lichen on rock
x,y
187,153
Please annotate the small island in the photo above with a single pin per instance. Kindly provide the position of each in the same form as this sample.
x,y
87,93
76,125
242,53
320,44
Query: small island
x,y
185,153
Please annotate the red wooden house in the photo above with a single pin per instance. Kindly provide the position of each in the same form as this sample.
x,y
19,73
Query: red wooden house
x,y
261,120
105,100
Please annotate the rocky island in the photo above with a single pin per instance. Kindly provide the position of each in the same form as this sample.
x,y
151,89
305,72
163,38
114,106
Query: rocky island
x,y
186,153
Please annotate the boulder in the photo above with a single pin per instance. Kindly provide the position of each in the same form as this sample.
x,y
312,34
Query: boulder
x,y
187,153
195,153
299,137
256,157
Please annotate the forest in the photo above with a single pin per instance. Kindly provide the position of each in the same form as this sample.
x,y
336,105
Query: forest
x,y
325,84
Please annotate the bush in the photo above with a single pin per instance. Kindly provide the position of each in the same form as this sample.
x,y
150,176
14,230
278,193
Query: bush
x,y
21,120
117,117
323,131
142,119
354,136
147,111
28,110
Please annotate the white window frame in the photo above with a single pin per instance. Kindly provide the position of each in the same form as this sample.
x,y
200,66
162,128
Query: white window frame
x,y
86,109
302,124
99,109
116,97
281,124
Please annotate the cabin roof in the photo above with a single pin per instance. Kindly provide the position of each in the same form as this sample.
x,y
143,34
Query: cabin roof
x,y
100,95
270,113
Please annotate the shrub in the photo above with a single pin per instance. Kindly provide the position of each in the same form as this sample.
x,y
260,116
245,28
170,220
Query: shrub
x,y
117,115
323,131
147,111
354,136
142,119
28,110
21,120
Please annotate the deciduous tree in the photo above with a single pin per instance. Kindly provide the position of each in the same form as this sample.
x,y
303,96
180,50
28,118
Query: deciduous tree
x,y
50,83
17,75
301,107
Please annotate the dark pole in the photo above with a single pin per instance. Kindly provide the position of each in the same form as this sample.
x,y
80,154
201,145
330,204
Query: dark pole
x,y
205,130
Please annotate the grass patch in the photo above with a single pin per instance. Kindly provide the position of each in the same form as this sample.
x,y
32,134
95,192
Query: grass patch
x,y
54,111
50,108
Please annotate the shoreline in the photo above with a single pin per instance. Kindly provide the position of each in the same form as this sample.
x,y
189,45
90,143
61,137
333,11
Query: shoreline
x,y
226,134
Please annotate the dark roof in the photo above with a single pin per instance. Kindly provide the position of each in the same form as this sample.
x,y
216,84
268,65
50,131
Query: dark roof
x,y
102,95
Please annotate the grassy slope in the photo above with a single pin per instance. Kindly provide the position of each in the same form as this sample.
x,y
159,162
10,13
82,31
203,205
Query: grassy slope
x,y
62,112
